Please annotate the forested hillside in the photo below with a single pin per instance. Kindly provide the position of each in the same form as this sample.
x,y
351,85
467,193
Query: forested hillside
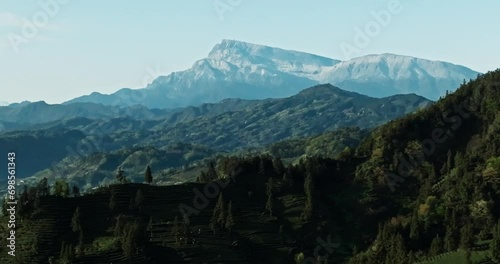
x,y
424,188
232,125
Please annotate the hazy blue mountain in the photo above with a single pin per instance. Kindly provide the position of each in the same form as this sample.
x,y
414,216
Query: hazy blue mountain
x,y
235,69
40,115
26,114
233,124
23,103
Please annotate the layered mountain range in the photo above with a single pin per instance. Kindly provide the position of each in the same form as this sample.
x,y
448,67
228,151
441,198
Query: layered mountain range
x,y
233,124
235,69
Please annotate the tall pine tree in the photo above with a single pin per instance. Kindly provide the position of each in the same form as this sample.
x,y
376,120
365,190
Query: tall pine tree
x,y
148,176
495,244
218,215
436,247
229,218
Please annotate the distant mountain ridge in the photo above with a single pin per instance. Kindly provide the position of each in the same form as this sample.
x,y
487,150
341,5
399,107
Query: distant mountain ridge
x,y
233,124
40,112
236,69
40,115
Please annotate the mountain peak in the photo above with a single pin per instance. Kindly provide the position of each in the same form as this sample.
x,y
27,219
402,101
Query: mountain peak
x,y
235,46
245,70
233,50
325,90
238,43
397,58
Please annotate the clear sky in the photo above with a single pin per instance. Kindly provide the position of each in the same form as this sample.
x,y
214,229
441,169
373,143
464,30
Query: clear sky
x,y
78,47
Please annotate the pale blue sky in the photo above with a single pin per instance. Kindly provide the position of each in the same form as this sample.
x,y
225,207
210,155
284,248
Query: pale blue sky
x,y
105,45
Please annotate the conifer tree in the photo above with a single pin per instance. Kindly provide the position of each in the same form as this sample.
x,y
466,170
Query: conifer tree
x,y
25,194
120,177
76,221
414,226
43,187
269,192
286,179
495,243
279,167
139,200
176,230
218,214
450,242
262,168
80,250
309,190
127,240
229,218
76,191
270,186
400,252
148,177
112,200
37,202
466,236
202,178
449,161
436,247
458,160
222,215
270,204
389,246
67,254
132,238
4,206
119,225
411,257
211,174
452,232
150,225
24,203
185,228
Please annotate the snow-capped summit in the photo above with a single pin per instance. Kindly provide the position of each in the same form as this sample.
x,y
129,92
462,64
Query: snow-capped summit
x,y
236,69
394,66
387,74
243,54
